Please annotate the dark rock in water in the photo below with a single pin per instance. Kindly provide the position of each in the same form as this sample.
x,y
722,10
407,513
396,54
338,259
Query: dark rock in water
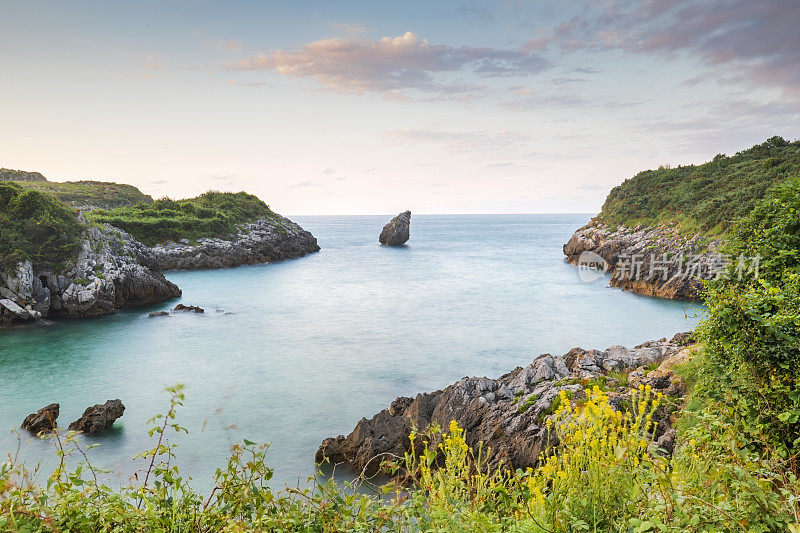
x,y
98,418
193,308
396,232
158,313
507,414
45,419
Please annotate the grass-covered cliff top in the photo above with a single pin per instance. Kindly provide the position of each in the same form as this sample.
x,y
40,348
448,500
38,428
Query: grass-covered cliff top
x,y
91,194
707,197
7,174
213,214
36,226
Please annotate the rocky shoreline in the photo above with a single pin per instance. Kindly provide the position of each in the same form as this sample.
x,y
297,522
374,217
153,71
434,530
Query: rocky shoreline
x,y
114,271
508,415
654,261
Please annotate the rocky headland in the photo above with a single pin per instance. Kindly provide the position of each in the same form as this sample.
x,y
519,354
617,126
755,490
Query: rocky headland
x,y
655,261
508,415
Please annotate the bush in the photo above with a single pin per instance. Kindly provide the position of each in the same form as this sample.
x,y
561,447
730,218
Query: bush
x,y
35,226
752,330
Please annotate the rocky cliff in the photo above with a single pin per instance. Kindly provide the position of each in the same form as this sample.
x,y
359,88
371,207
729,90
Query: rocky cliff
x,y
509,414
655,261
114,271
263,241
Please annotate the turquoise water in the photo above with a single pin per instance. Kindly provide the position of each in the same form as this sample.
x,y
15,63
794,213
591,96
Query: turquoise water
x,y
297,351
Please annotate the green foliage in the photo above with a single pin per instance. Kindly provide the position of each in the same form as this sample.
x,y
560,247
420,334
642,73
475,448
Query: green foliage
x,y
601,478
90,194
752,333
7,174
707,197
528,403
213,214
35,226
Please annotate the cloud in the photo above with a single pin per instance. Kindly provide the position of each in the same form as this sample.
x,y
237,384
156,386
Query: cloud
x,y
392,64
339,178
329,170
756,42
306,183
468,141
249,83
228,45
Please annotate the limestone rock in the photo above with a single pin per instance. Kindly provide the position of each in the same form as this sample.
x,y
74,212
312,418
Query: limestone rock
x,y
43,420
396,232
98,418
507,414
157,314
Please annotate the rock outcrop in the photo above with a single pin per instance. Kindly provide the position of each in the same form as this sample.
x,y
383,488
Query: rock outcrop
x,y
396,232
655,261
189,308
114,271
263,241
98,418
43,420
507,414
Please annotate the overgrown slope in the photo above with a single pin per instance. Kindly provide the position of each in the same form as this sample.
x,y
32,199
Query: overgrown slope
x,y
707,197
212,214
91,194
7,174
35,226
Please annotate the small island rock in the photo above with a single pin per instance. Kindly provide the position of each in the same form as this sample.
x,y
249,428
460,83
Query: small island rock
x,y
396,232
42,420
98,418
158,313
193,308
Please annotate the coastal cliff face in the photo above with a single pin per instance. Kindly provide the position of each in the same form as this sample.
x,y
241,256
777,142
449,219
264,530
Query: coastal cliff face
x,y
114,271
263,241
654,261
508,415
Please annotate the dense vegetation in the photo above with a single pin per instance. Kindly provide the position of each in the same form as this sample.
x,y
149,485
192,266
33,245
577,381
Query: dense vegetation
x,y
35,226
91,194
212,214
707,197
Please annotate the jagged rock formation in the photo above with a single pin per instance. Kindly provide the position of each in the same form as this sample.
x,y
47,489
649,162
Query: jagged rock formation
x,y
263,241
43,420
114,271
655,261
98,418
190,308
507,414
396,232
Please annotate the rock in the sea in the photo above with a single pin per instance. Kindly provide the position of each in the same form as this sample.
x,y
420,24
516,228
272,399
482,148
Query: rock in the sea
x,y
192,308
158,313
396,232
508,415
43,420
98,418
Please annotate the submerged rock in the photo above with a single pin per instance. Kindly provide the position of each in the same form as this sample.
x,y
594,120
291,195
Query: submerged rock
x,y
43,420
508,415
396,232
192,308
158,313
98,418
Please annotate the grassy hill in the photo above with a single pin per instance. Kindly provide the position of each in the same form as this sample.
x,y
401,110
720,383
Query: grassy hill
x,y
212,214
707,197
7,174
91,194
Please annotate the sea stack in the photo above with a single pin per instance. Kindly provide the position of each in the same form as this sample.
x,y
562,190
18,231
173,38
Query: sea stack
x,y
396,232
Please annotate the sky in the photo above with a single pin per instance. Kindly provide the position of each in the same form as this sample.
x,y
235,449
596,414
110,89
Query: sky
x,y
377,107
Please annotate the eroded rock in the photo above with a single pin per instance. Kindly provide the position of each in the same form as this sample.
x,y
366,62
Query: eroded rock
x,y
397,231
98,418
190,308
43,420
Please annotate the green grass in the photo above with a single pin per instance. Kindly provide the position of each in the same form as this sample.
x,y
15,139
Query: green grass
x,y
213,214
93,194
705,198
7,174
35,226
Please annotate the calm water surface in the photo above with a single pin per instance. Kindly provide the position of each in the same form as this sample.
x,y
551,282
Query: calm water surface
x,y
292,352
